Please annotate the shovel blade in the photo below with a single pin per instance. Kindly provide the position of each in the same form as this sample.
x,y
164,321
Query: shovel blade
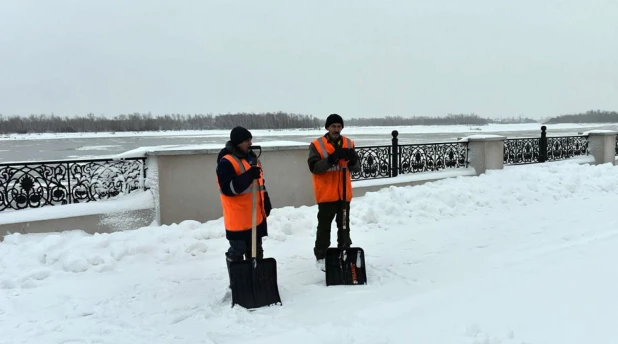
x,y
345,266
254,286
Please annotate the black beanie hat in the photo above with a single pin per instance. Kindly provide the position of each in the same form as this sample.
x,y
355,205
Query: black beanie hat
x,y
333,118
239,135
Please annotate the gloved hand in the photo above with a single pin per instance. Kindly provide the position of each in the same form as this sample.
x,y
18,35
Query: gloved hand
x,y
254,172
349,154
334,158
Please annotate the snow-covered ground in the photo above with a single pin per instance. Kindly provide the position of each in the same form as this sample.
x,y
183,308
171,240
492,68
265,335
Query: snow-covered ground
x,y
522,255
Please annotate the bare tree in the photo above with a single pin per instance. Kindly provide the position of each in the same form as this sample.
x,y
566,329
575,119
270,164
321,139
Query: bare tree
x,y
148,122
591,116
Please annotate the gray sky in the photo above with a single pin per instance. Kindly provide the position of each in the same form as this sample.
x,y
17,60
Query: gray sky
x,y
358,58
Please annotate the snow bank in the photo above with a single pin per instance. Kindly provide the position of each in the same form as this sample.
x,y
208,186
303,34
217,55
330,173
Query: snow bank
x,y
416,177
493,191
513,256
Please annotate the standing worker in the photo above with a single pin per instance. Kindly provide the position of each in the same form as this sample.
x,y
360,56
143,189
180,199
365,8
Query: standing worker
x,y
327,156
235,175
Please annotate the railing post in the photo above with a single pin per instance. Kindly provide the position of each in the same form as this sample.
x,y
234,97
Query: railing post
x,y
543,145
394,154
69,196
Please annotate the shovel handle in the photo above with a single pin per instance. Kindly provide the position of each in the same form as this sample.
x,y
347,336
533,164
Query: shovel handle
x,y
254,219
254,188
344,180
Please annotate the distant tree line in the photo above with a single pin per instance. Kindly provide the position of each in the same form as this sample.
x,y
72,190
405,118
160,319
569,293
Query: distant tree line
x,y
148,122
592,116
450,119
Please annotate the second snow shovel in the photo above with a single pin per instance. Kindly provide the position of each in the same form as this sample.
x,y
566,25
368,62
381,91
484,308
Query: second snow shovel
x,y
345,266
254,281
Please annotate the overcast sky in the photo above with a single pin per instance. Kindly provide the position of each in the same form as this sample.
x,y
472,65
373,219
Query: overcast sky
x,y
358,58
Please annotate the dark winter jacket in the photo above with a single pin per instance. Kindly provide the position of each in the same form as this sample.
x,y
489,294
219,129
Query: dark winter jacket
x,y
227,175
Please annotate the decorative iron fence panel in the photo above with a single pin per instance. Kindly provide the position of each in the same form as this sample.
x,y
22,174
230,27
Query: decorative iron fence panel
x,y
375,162
427,157
522,151
49,183
565,147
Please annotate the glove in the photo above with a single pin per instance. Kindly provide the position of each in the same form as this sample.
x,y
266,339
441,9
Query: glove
x,y
350,154
254,172
334,158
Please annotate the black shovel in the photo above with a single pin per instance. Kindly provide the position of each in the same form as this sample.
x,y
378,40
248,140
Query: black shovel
x,y
254,281
345,266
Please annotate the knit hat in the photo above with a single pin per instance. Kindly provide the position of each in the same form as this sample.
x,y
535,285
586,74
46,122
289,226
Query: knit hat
x,y
333,118
239,135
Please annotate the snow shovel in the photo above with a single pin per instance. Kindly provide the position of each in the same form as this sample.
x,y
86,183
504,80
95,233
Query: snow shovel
x,y
254,281
345,266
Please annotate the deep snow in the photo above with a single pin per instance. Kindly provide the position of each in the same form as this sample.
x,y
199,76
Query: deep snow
x,y
522,255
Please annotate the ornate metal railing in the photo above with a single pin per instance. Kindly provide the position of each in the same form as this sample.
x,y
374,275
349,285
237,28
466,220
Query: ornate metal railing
x,y
48,183
432,156
541,149
375,162
565,147
390,160
521,151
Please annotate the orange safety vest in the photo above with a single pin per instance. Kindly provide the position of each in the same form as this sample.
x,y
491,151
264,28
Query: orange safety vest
x,y
328,186
237,213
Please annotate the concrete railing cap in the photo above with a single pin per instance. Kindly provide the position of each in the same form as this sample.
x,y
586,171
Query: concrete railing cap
x,y
477,138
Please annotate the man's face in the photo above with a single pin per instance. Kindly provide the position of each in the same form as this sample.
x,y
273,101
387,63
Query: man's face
x,y
244,146
334,130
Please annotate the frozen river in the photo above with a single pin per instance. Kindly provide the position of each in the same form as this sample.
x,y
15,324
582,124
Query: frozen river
x,y
39,147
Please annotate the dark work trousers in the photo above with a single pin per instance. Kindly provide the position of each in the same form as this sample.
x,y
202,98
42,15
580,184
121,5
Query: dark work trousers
x,y
240,248
326,213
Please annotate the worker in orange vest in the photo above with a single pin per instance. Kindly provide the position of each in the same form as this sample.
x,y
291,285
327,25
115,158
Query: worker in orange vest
x,y
328,154
235,176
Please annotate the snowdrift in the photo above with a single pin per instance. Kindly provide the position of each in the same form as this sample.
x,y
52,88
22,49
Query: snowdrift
x,y
522,255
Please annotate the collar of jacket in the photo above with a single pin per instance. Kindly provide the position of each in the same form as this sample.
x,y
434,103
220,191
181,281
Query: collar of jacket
x,y
337,143
238,153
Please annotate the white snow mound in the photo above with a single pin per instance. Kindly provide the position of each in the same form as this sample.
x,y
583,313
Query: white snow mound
x,y
522,255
